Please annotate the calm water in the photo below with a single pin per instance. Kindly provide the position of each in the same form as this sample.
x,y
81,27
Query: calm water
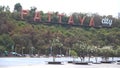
x,y
42,63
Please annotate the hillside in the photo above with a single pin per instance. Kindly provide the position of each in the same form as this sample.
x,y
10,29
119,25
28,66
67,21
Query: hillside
x,y
28,37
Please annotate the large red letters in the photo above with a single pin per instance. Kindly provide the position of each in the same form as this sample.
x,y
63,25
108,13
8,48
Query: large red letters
x,y
37,16
60,17
24,12
71,20
91,22
81,20
49,16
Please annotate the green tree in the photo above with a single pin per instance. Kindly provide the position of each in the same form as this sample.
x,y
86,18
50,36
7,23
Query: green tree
x,y
118,51
106,53
81,49
73,54
17,7
6,42
55,42
2,8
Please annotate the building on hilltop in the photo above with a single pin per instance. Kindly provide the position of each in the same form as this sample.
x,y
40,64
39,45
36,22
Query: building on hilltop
x,y
119,15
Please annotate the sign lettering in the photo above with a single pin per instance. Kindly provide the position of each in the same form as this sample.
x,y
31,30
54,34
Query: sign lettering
x,y
71,21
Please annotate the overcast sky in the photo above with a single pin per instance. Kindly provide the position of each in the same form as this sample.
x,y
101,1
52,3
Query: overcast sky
x,y
102,7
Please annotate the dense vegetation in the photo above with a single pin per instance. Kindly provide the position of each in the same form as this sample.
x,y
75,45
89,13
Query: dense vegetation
x,y
25,37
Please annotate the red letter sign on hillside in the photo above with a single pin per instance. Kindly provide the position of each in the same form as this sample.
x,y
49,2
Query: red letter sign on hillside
x,y
24,12
49,17
37,16
91,22
71,21
81,19
60,17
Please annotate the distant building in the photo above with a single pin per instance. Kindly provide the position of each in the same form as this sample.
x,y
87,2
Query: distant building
x,y
119,15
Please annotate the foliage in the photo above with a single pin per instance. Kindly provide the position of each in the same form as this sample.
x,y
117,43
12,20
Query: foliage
x,y
18,7
6,42
73,53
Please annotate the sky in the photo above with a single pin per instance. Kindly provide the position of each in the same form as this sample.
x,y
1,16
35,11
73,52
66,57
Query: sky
x,y
102,7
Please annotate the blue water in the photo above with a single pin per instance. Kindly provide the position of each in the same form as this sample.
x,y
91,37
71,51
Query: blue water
x,y
33,61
